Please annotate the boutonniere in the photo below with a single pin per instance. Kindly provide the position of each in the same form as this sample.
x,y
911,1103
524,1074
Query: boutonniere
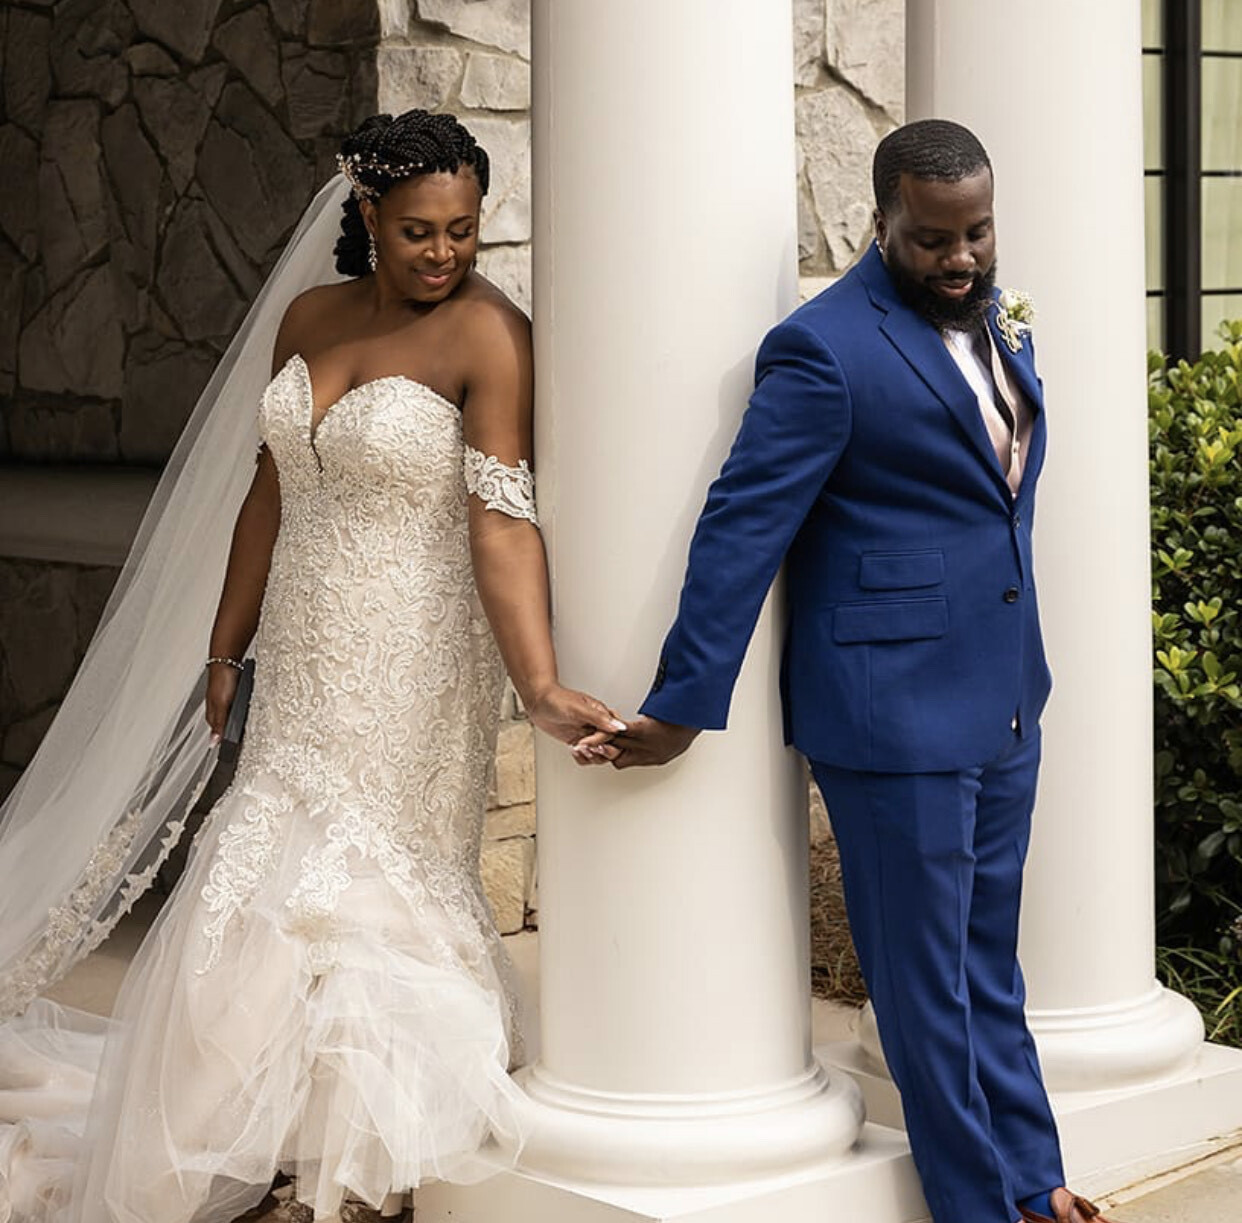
x,y
1015,312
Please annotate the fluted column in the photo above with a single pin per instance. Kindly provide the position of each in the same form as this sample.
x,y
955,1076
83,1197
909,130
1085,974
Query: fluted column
x,y
673,928
1054,91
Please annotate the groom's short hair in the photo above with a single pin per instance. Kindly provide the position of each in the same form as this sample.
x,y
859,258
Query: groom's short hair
x,y
927,148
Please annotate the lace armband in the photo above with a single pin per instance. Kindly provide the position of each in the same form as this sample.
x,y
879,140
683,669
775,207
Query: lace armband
x,y
511,490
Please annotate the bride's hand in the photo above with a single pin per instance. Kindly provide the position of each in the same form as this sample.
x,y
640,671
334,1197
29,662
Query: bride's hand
x,y
568,716
221,689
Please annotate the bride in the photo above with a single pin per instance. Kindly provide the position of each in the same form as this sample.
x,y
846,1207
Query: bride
x,y
325,995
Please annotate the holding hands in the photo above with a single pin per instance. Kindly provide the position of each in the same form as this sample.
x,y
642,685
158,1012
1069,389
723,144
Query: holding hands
x,y
567,715
645,741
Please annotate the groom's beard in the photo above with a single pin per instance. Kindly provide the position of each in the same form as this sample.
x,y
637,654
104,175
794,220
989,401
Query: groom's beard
x,y
944,313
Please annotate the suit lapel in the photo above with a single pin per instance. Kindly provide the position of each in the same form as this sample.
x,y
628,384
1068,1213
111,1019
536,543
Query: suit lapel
x,y
924,349
1019,366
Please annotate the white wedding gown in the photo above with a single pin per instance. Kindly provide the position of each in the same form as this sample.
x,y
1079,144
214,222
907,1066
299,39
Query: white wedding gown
x,y
325,992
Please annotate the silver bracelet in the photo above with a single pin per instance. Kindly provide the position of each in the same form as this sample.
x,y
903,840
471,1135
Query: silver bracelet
x,y
228,662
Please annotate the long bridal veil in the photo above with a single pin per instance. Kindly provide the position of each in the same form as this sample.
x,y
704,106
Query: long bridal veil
x,y
106,796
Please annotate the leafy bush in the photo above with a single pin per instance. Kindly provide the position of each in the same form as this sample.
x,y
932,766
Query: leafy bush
x,y
1195,417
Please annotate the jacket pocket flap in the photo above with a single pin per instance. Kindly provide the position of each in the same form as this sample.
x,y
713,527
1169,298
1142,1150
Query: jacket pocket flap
x,y
900,570
907,620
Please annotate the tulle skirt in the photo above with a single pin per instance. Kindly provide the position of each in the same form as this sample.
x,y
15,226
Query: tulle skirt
x,y
362,1057
49,1058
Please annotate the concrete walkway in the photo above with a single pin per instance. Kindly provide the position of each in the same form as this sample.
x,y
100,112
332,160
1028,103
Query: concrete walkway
x,y
1207,1191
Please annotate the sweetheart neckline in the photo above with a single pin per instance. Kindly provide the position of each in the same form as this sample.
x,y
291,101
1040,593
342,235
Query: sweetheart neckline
x,y
313,428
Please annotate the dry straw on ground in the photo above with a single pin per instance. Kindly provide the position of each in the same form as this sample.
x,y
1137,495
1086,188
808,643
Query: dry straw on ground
x,y
834,966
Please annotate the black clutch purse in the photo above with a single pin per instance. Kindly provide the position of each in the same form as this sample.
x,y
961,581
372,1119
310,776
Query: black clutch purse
x,y
235,724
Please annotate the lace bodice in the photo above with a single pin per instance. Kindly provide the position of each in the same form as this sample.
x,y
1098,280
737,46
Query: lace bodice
x,y
378,680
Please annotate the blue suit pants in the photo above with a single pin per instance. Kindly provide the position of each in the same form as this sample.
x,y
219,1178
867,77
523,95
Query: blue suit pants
x,y
932,868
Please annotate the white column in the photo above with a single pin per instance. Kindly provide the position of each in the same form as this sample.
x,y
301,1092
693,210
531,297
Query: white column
x,y
1054,92
673,904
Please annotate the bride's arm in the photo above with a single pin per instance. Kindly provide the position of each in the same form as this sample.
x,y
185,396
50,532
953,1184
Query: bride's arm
x,y
510,567
254,537
237,617
250,555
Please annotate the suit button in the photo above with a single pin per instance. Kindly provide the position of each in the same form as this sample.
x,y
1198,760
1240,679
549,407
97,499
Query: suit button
x,y
1017,520
1011,595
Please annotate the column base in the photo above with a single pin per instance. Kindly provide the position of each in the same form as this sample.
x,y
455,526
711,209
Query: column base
x,y
1099,1048
876,1182
1123,1045
664,1141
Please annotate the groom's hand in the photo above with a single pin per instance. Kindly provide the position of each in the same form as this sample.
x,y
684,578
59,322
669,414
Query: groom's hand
x,y
648,741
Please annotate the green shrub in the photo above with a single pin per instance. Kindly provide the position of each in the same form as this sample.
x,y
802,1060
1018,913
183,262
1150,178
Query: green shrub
x,y
1195,416
1210,979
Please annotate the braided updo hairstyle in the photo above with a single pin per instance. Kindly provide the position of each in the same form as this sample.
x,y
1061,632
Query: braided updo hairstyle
x,y
434,143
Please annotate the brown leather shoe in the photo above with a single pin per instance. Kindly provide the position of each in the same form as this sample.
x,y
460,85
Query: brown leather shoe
x,y
1067,1207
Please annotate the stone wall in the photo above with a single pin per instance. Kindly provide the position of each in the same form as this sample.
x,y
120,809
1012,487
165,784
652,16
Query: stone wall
x,y
156,158
48,613
849,72
508,860
472,58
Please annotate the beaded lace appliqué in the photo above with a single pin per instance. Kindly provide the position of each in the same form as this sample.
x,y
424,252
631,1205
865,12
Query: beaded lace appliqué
x,y
511,490
373,722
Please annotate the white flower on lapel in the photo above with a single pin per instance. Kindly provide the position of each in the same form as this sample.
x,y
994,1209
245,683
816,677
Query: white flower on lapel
x,y
1015,312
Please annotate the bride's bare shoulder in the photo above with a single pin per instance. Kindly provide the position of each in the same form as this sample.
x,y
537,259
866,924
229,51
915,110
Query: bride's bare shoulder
x,y
308,318
488,315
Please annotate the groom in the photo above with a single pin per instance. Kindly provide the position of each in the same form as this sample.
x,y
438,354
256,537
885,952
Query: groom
x,y
889,457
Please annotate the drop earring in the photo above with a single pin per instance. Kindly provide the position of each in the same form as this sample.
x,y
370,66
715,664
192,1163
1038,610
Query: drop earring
x,y
371,259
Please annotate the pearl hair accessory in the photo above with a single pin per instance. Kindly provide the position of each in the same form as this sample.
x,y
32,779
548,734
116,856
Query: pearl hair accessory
x,y
350,165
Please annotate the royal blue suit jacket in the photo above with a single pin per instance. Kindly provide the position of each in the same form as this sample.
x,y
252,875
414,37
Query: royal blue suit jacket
x,y
912,639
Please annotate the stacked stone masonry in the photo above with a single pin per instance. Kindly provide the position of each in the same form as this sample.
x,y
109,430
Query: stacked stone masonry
x,y
157,157
48,613
508,860
472,58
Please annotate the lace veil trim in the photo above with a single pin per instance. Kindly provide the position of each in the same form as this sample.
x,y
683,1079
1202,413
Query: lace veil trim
x,y
72,931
